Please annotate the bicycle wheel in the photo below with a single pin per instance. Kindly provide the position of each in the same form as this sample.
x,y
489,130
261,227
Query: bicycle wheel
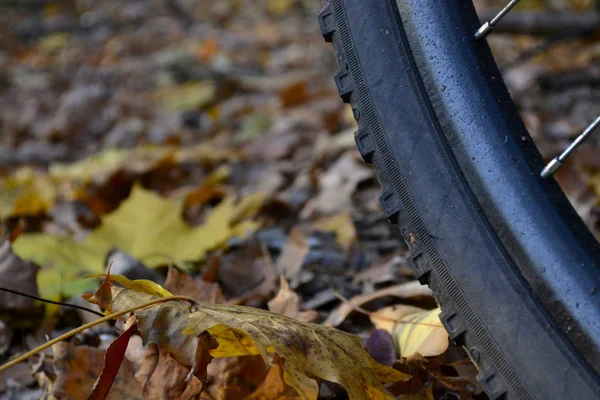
x,y
513,267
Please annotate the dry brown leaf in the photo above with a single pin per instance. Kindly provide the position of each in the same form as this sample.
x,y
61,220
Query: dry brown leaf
x,y
77,369
235,377
295,94
247,272
293,254
162,377
338,184
113,358
18,274
274,386
5,338
185,285
415,331
308,351
425,394
403,291
386,270
287,302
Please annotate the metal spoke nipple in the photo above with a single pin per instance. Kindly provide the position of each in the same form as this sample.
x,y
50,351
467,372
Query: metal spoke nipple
x,y
487,27
557,162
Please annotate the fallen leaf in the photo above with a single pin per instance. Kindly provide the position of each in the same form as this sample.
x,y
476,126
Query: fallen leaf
x,y
415,331
196,288
235,377
343,227
76,371
113,359
247,272
279,7
5,338
20,375
139,285
292,256
162,377
146,226
308,351
25,193
64,263
189,96
274,386
402,290
122,263
295,94
425,394
16,274
386,270
287,302
337,185
99,167
459,376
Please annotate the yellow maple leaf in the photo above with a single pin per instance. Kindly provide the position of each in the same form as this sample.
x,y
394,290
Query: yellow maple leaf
x,y
26,192
146,226
342,225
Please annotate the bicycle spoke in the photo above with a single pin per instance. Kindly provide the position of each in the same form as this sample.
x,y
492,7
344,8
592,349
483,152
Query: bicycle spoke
x,y
557,162
487,27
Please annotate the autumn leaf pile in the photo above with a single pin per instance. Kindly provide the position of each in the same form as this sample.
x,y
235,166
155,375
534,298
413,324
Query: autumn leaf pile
x,y
200,149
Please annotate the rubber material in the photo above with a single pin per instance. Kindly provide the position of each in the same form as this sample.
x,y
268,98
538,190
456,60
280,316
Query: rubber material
x,y
510,263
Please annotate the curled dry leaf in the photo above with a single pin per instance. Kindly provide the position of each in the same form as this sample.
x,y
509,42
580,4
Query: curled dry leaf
x,y
160,325
16,273
162,377
415,331
293,254
403,290
196,288
247,272
235,377
338,184
76,371
287,302
308,351
113,358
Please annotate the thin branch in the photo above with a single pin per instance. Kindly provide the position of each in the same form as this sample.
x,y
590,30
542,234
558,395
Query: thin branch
x,y
82,328
58,303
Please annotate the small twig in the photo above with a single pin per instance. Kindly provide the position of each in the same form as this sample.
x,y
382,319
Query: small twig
x,y
369,314
58,303
89,325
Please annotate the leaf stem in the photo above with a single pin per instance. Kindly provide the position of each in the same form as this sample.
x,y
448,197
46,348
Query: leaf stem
x,y
82,328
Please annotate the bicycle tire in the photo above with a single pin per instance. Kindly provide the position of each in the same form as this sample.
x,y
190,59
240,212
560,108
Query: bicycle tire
x,y
512,266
